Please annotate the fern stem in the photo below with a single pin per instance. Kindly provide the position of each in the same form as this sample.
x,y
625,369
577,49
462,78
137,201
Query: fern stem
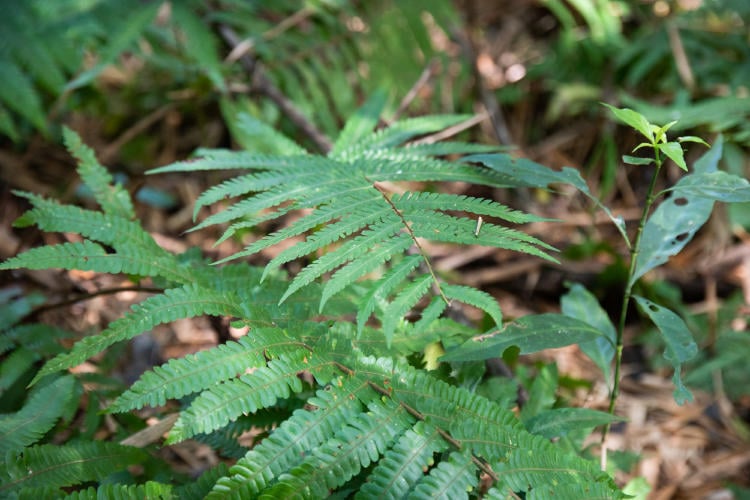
x,y
634,252
426,259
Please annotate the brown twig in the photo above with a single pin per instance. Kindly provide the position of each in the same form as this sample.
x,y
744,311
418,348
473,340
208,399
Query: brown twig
x,y
427,73
88,296
263,85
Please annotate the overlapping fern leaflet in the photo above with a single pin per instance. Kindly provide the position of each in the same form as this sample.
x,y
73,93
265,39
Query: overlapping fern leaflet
x,y
353,216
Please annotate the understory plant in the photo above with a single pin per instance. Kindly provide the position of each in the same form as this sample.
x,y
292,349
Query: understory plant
x,y
355,373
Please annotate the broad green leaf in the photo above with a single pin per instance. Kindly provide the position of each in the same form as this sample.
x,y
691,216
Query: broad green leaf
x,y
633,119
680,344
674,223
581,304
636,160
530,333
674,151
717,186
693,138
560,421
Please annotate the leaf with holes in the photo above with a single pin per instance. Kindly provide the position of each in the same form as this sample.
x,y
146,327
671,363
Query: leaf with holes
x,y
674,223
717,186
530,333
680,344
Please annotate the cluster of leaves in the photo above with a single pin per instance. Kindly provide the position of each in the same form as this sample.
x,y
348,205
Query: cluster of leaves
x,y
364,419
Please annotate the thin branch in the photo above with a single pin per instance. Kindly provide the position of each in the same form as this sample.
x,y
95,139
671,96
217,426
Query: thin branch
x,y
262,84
88,296
425,77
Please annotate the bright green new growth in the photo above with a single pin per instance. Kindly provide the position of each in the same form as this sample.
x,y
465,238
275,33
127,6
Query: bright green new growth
x,y
359,417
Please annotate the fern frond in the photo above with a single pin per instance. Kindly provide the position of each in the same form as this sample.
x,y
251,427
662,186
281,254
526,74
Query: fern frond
x,y
196,372
356,269
256,135
446,148
293,439
477,298
43,408
66,465
111,230
445,201
542,465
360,124
452,478
384,286
337,208
376,234
113,198
441,227
222,159
224,402
355,446
173,304
399,132
14,366
150,489
404,464
403,303
591,491
353,218
89,256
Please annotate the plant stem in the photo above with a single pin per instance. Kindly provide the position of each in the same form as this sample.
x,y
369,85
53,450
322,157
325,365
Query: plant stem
x,y
634,251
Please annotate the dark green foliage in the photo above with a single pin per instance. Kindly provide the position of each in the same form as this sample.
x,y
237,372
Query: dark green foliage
x,y
347,406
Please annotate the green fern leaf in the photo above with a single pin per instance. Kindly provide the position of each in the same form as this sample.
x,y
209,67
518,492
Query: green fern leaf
x,y
477,298
150,489
452,478
362,214
542,464
66,465
591,491
383,287
356,269
255,135
111,230
88,256
183,376
403,303
44,407
14,366
360,245
173,304
338,208
444,201
446,148
225,402
360,124
295,437
404,464
354,447
113,199
200,43
17,93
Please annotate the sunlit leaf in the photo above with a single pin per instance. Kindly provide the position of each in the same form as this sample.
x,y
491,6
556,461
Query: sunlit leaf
x,y
674,151
634,119
637,160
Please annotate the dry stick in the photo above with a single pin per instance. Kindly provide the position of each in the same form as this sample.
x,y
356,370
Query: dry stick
x,y
88,296
245,46
451,131
138,127
427,73
262,84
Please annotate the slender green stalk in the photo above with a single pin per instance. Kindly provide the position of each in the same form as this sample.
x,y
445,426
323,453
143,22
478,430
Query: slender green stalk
x,y
634,251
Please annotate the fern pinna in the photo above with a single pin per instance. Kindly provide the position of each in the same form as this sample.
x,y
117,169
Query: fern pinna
x,y
339,396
